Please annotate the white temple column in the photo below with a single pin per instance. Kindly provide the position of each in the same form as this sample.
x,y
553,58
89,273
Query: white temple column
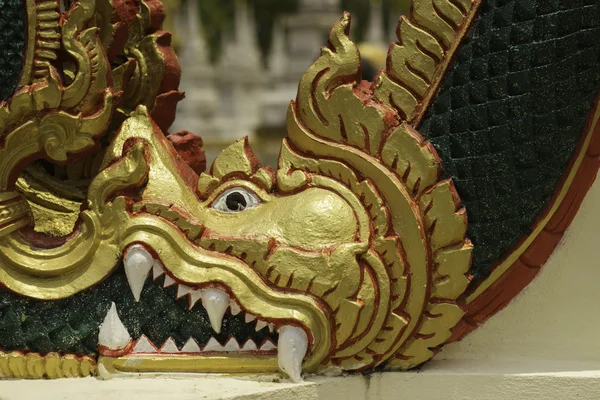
x,y
240,75
375,31
307,32
198,112
278,54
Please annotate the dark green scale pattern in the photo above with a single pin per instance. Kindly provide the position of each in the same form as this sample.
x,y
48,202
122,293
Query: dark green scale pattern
x,y
12,45
511,111
71,325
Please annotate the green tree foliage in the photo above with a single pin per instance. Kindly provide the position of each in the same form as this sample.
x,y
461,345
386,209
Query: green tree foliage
x,y
217,17
361,12
395,8
266,13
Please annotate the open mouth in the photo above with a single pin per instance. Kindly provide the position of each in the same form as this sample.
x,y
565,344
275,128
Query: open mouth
x,y
234,340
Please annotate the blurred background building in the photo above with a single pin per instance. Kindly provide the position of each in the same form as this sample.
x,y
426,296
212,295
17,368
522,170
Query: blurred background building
x,y
242,60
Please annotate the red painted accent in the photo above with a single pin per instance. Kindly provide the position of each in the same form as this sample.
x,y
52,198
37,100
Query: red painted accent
x,y
105,351
189,147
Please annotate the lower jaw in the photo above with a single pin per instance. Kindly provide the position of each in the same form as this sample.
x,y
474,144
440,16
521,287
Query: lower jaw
x,y
229,364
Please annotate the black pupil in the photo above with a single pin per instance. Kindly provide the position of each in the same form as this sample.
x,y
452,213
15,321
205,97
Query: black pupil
x,y
236,201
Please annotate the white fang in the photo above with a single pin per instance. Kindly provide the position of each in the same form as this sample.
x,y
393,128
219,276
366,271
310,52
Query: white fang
x,y
182,290
168,281
191,346
260,325
249,317
215,302
138,263
213,345
157,270
169,347
268,346
235,308
113,333
249,346
232,345
194,297
291,349
144,345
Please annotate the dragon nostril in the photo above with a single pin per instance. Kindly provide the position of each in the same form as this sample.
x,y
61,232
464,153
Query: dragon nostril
x,y
236,201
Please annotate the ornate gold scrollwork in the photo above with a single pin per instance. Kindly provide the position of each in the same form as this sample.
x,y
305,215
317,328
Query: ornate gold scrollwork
x,y
428,38
418,228
59,133
88,256
43,40
356,239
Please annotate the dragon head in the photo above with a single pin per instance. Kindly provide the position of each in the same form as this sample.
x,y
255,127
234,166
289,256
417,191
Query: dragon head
x,y
120,254
353,250
352,253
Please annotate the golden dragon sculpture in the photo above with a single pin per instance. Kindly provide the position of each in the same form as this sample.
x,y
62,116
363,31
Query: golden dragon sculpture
x,y
351,255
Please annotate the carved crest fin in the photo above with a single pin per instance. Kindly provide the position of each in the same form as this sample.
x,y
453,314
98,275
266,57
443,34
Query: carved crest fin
x,y
339,121
238,157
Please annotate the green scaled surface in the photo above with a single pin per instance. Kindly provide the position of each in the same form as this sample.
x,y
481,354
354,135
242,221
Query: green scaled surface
x,y
12,45
511,110
72,325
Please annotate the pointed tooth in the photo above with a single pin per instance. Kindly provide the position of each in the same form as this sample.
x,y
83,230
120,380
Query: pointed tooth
x,y
169,347
138,263
213,345
232,345
182,290
194,297
157,270
271,327
268,346
103,373
144,345
191,346
249,318
215,302
291,349
168,281
235,308
260,324
249,346
113,333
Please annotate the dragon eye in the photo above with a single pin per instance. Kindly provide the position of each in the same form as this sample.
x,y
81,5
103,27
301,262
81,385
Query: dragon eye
x,y
235,200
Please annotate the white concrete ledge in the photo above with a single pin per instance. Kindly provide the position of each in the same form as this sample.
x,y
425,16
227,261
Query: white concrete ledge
x,y
448,380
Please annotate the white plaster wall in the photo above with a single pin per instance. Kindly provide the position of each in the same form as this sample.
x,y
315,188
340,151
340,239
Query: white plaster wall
x,y
557,317
439,383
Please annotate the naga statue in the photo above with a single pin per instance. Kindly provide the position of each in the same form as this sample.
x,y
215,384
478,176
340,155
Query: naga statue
x,y
121,253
